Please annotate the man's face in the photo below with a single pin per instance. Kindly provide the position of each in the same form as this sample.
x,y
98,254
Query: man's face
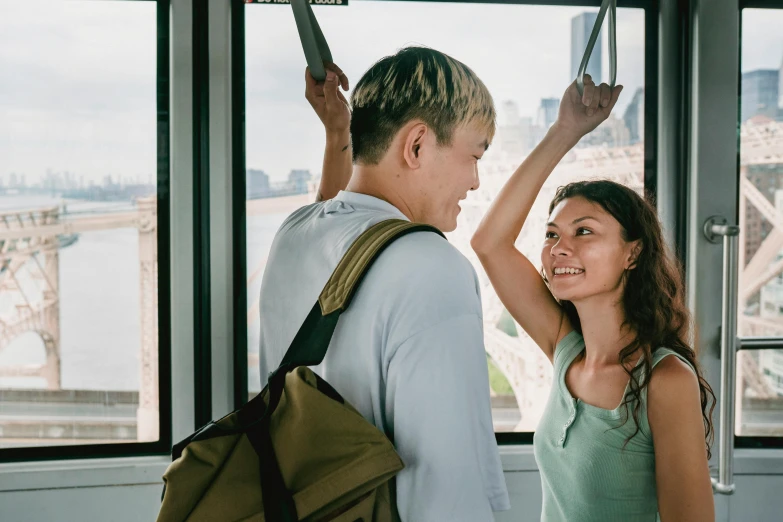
x,y
448,172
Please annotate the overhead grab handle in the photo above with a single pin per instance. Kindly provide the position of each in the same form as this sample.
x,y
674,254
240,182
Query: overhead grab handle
x,y
606,5
314,44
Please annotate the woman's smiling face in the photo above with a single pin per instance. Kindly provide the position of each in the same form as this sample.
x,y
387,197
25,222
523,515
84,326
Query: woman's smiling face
x,y
585,252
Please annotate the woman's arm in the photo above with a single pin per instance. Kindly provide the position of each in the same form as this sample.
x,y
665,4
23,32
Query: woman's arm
x,y
334,112
682,474
517,282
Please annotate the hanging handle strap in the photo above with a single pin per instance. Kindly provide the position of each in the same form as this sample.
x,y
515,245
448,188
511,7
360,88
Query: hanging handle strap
x,y
316,49
606,5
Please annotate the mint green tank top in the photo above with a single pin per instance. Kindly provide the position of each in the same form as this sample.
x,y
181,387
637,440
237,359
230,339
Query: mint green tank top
x,y
586,474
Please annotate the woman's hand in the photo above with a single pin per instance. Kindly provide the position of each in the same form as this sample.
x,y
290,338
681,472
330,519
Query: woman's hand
x,y
580,115
327,101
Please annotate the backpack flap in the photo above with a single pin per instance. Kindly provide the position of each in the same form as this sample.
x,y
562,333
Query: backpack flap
x,y
327,452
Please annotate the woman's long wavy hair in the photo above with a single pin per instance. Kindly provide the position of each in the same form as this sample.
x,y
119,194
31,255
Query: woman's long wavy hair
x,y
653,299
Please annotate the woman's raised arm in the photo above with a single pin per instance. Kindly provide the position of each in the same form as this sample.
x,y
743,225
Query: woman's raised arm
x,y
516,280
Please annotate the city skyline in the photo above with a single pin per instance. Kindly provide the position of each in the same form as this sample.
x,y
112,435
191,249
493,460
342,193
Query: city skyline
x,y
52,118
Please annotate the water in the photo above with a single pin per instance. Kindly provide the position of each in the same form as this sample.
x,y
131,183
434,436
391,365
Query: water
x,y
99,306
100,302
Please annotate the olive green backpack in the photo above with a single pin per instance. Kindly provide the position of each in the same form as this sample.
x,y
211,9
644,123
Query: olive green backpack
x,y
297,451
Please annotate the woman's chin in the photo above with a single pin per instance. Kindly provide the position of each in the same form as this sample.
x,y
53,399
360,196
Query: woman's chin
x,y
566,296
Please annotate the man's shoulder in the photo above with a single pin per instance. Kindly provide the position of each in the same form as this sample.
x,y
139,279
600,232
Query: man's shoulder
x,y
302,214
426,263
423,257
429,250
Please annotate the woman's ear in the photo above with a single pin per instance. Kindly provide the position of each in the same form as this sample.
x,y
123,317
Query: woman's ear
x,y
633,257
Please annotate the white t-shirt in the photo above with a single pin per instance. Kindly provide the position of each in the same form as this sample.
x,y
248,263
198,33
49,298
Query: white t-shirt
x,y
408,353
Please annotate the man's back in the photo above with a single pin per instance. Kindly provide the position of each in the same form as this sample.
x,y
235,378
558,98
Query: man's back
x,y
408,354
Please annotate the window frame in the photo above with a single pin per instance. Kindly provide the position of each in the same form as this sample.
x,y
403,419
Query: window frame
x,y
163,445
651,12
753,343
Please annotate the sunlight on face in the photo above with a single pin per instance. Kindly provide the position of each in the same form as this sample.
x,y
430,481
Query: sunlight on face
x,y
449,174
584,252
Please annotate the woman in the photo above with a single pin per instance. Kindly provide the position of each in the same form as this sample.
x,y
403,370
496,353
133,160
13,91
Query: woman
x,y
626,431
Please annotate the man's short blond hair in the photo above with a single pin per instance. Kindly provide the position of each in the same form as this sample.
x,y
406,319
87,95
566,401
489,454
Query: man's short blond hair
x,y
416,83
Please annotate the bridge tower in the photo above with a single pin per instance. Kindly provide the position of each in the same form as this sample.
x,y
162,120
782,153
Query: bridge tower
x,y
148,418
24,242
30,291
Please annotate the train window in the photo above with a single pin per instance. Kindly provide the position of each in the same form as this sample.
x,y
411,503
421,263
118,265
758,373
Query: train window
x,y
79,219
535,53
760,318
538,49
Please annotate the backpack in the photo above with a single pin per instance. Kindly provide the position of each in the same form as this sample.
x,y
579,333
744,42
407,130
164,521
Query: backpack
x,y
297,451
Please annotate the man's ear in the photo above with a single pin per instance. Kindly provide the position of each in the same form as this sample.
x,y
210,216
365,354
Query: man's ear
x,y
414,139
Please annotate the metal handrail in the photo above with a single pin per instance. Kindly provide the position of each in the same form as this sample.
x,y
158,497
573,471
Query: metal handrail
x,y
606,5
760,343
716,228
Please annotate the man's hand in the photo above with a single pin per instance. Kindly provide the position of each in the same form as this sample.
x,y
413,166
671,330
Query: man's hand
x,y
327,101
334,112
579,115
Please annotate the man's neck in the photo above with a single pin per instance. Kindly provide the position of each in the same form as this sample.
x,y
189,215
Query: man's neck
x,y
369,181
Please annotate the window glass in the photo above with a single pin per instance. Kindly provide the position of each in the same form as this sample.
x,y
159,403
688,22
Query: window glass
x,y
760,372
78,235
526,55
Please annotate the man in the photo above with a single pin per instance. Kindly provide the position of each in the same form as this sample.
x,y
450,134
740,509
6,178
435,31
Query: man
x,y
409,352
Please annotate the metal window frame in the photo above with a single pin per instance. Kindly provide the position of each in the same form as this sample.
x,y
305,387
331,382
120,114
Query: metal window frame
x,y
239,189
202,281
651,99
760,4
163,444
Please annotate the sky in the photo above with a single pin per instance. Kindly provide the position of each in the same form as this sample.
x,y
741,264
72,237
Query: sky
x,y
77,88
77,78
522,53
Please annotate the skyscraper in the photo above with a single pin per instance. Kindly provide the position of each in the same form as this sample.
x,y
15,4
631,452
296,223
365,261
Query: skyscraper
x,y
634,116
513,134
298,180
257,182
581,27
547,112
759,94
